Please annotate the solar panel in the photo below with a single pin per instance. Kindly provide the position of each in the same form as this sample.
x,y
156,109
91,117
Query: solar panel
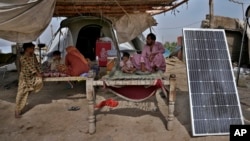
x,y
214,100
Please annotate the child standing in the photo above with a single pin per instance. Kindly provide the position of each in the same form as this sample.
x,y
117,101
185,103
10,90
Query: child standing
x,y
126,64
30,77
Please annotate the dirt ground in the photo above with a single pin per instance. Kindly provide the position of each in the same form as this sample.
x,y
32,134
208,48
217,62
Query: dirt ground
x,y
47,117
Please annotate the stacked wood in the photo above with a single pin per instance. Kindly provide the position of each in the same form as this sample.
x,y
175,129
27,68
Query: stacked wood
x,y
113,8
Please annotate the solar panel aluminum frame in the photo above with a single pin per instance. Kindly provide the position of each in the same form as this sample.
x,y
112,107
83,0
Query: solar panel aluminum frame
x,y
189,87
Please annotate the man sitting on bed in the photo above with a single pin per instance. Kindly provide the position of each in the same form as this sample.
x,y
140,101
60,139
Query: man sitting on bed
x,y
152,58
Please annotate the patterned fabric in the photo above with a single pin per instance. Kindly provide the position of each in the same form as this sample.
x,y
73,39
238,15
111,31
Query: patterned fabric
x,y
24,90
126,66
28,81
29,66
158,60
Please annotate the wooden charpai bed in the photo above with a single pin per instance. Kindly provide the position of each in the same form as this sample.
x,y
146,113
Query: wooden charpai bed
x,y
70,78
132,80
168,87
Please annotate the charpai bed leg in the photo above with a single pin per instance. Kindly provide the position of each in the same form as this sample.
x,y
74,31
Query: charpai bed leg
x,y
70,84
171,99
90,98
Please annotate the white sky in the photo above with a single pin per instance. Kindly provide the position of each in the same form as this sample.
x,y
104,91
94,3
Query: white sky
x,y
190,15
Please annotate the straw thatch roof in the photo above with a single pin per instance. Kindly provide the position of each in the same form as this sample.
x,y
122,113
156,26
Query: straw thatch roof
x,y
113,8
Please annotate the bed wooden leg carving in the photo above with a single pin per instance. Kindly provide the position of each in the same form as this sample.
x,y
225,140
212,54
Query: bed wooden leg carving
x,y
91,110
171,101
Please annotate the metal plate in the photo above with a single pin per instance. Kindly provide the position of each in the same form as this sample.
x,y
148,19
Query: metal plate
x,y
213,94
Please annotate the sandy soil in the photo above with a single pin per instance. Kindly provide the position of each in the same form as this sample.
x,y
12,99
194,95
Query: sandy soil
x,y
47,117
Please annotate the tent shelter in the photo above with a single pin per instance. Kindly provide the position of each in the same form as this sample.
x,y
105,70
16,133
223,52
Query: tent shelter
x,y
25,20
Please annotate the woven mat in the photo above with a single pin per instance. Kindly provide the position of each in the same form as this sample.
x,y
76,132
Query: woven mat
x,y
119,75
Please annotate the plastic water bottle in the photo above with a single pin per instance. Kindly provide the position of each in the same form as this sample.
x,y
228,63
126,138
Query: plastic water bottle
x,y
97,60
91,74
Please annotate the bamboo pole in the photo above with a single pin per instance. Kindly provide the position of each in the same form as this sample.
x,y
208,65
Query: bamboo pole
x,y
18,54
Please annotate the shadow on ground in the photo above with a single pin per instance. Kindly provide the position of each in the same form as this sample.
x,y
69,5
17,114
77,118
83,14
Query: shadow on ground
x,y
51,91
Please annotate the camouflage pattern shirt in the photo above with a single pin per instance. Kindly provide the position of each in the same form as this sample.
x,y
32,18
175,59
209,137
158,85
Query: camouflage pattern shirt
x,y
29,67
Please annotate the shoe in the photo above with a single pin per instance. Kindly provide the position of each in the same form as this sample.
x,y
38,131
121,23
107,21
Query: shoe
x,y
74,108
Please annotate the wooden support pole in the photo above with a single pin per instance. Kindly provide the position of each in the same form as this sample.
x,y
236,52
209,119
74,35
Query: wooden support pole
x,y
91,110
171,101
18,55
211,13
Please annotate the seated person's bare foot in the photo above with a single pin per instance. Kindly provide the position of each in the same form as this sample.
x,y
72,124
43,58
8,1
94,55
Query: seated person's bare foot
x,y
125,71
132,70
143,70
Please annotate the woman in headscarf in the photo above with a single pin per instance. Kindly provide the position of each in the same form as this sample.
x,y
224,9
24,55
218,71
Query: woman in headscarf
x,y
75,62
30,78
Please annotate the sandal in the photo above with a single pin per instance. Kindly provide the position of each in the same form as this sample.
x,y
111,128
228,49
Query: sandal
x,y
74,108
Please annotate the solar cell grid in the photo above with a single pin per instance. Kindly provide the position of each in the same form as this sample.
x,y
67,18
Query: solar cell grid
x,y
214,100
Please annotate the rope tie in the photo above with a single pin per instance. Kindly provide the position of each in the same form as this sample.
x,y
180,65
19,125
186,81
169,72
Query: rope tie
x,y
121,7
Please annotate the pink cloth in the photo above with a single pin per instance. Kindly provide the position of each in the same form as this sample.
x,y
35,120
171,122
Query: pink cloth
x,y
126,66
158,60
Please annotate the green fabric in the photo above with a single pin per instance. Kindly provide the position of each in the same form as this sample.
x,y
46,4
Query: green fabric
x,y
119,75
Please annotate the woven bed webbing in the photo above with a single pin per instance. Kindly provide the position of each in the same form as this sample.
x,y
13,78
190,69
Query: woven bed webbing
x,y
119,75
